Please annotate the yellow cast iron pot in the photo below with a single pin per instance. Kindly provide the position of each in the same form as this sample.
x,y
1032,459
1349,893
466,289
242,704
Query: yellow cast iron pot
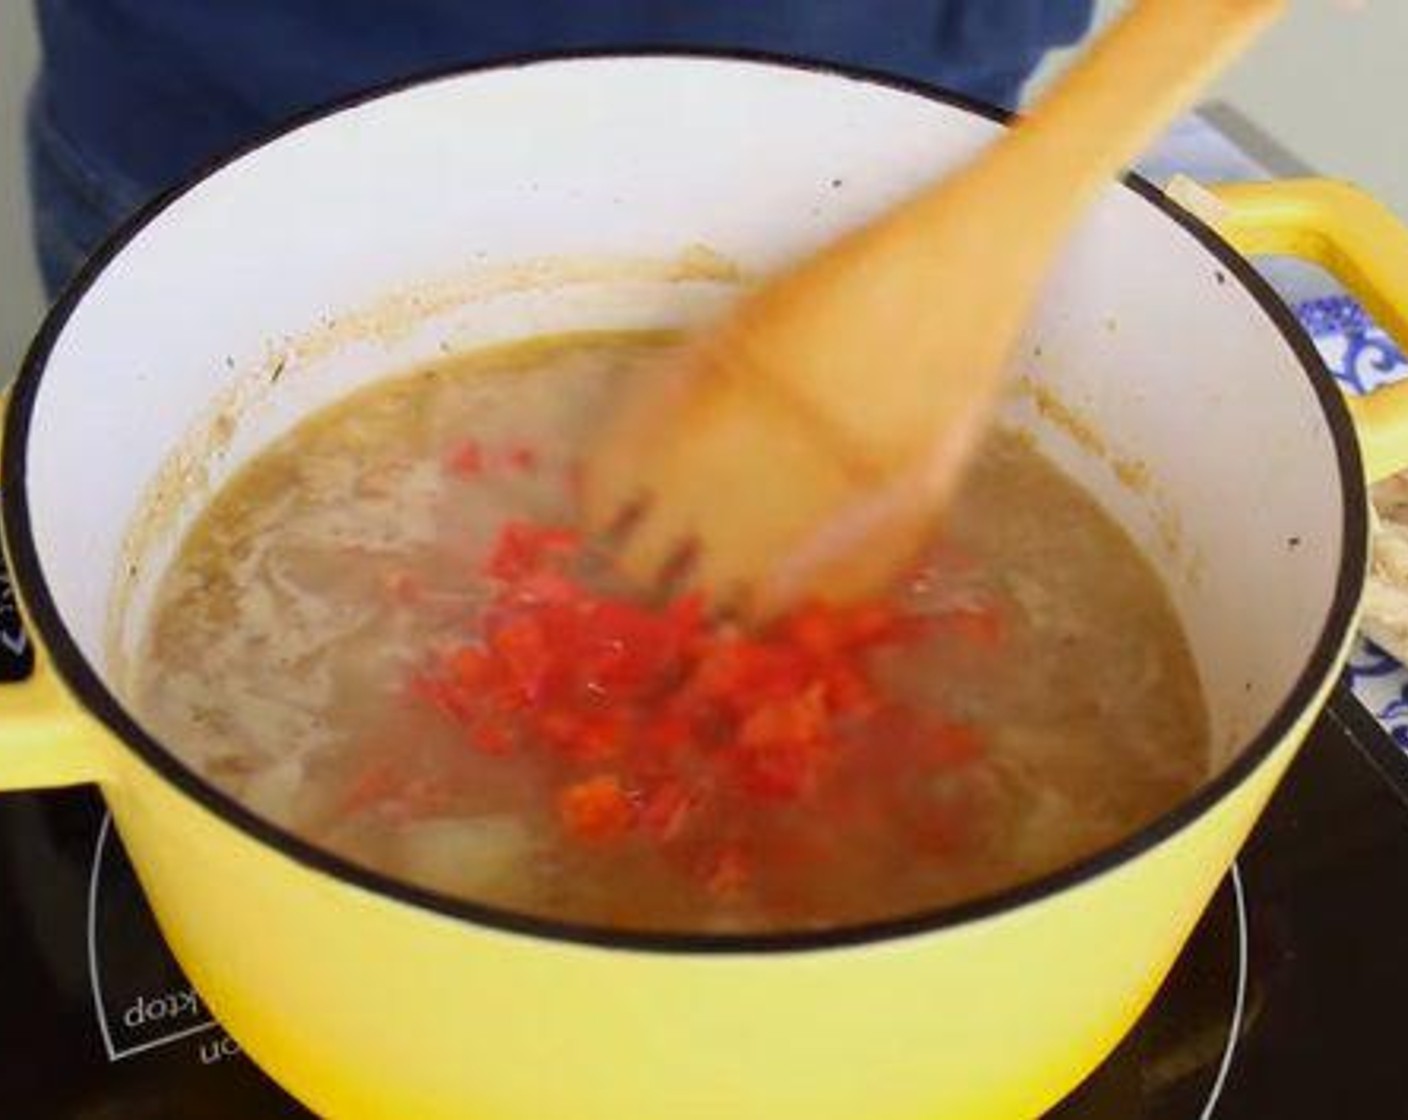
x,y
1159,371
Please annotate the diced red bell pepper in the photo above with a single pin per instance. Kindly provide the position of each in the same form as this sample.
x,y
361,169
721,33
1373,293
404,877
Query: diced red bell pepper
x,y
693,712
375,783
471,667
596,809
952,744
465,459
523,549
491,737
525,651
795,719
666,810
726,872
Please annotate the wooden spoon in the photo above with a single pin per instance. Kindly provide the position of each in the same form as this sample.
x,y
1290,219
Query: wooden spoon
x,y
807,444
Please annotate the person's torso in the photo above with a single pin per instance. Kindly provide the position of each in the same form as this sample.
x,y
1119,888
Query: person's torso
x,y
147,90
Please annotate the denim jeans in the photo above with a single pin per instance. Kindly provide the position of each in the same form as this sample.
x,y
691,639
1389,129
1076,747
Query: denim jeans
x,y
75,203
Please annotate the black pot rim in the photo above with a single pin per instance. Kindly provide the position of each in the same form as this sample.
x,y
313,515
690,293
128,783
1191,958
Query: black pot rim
x,y
87,685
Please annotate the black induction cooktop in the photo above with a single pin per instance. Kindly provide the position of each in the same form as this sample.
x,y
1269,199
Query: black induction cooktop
x,y
1289,1002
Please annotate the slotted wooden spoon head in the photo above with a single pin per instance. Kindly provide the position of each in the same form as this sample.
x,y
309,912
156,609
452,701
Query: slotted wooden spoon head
x,y
806,445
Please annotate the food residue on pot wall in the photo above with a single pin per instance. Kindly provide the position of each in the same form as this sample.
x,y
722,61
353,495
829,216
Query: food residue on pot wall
x,y
1132,473
201,461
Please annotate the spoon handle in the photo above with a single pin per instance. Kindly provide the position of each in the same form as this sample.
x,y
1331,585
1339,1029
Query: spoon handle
x,y
1133,80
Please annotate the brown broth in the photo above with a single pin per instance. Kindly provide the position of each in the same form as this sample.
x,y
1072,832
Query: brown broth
x,y
279,650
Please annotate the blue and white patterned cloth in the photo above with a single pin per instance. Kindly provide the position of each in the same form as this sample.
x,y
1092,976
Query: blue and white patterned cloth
x,y
1362,357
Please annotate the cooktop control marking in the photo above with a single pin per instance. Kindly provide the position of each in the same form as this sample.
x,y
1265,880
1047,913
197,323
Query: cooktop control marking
x,y
12,636
178,1004
16,656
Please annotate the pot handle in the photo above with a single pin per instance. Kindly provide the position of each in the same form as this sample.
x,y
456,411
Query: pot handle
x,y
1356,239
46,739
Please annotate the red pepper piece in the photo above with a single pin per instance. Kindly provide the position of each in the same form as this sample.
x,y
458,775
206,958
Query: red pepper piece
x,y
776,771
870,624
848,690
596,809
465,460
743,674
586,737
522,458
797,719
686,615
471,667
726,873
780,747
815,628
720,671
557,727
627,652
684,704
492,737
666,810
668,731
527,655
602,736
374,784
522,549
952,744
